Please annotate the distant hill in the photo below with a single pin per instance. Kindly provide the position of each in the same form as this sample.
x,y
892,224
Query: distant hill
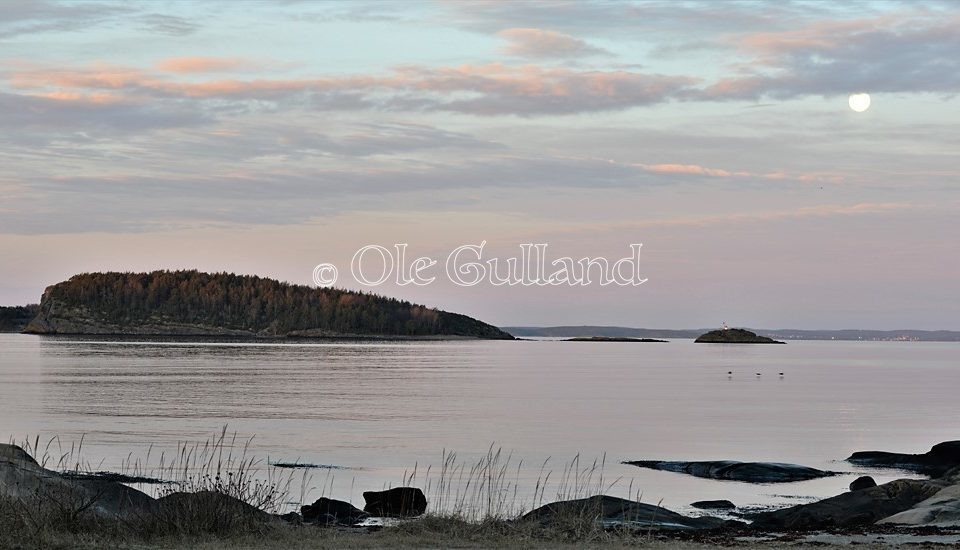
x,y
15,318
781,334
195,303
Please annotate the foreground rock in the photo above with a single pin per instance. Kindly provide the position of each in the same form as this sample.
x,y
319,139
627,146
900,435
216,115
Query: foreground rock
x,y
617,511
855,508
751,472
399,502
327,511
936,462
23,479
734,336
940,510
209,512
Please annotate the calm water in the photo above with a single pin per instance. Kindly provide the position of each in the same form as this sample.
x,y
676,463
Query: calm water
x,y
377,409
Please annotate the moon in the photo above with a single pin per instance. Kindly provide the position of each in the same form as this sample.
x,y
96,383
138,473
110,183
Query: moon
x,y
859,102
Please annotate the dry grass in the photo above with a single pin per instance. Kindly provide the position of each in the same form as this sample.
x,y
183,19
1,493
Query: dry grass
x,y
221,464
472,505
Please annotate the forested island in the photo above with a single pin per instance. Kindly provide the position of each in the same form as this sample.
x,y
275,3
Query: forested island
x,y
224,304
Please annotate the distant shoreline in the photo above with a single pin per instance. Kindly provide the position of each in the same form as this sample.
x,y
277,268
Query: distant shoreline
x,y
587,331
249,337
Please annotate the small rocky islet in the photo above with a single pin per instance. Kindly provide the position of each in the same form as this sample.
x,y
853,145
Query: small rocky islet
x,y
734,336
612,339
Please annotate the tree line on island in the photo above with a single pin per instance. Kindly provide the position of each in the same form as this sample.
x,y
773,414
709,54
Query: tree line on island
x,y
180,302
15,318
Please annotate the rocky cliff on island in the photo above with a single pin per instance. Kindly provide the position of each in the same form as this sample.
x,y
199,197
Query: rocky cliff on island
x,y
191,303
734,336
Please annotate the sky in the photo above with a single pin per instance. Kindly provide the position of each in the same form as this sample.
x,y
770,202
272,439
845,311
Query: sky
x,y
267,138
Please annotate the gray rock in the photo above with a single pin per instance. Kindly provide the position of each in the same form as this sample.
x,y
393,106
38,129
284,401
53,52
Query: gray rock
x,y
187,504
22,479
714,505
207,512
850,509
327,511
397,502
940,510
617,511
863,482
751,472
292,518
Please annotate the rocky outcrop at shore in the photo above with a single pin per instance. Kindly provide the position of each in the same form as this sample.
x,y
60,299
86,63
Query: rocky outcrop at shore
x,y
855,508
940,510
750,472
936,462
621,512
734,336
23,479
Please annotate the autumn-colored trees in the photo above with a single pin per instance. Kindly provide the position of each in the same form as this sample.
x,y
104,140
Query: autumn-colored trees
x,y
252,303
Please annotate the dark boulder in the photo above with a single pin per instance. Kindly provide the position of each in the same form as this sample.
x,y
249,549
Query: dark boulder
x,y
191,506
292,518
617,511
397,502
851,509
714,505
863,482
751,472
326,511
936,462
206,512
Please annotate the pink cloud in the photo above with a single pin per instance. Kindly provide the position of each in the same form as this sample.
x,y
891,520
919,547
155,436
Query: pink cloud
x,y
98,76
531,42
697,170
908,51
81,98
490,89
198,64
686,169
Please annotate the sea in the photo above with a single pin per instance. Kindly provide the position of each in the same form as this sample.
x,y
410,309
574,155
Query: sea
x,y
538,420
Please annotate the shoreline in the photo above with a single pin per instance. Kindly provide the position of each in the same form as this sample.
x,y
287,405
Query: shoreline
x,y
251,337
105,509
